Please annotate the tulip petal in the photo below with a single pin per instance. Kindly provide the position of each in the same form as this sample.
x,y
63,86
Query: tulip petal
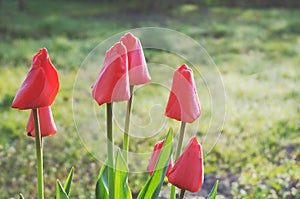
x,y
47,125
25,97
112,83
137,66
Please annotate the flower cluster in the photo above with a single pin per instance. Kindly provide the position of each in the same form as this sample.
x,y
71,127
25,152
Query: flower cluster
x,y
124,66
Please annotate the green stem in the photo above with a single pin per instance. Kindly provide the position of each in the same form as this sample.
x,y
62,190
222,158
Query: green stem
x,y
172,192
110,150
179,146
181,194
126,129
178,151
39,154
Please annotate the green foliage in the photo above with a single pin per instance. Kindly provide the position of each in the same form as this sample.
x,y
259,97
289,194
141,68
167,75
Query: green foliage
x,y
101,190
121,180
60,192
67,186
213,191
153,186
122,189
6,102
64,192
21,196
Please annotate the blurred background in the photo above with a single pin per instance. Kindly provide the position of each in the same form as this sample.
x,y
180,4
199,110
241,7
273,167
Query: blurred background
x,y
256,46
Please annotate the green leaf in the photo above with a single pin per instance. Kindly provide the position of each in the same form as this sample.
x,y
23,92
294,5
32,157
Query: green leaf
x,y
60,192
213,192
67,186
102,183
21,196
122,189
153,186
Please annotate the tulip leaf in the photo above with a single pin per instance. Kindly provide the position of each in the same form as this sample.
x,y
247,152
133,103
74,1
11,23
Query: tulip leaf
x,y
122,189
68,182
153,186
60,192
21,196
213,192
102,183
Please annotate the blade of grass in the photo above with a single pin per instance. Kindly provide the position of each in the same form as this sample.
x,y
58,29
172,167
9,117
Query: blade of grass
x,y
213,192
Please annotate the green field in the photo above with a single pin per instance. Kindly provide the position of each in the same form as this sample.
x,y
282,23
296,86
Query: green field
x,y
256,51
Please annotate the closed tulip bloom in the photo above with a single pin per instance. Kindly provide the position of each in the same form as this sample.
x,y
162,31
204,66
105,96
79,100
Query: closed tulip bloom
x,y
112,83
183,104
41,85
188,171
137,66
47,125
154,158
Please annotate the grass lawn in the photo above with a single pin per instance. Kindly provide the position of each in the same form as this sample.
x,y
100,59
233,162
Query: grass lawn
x,y
256,51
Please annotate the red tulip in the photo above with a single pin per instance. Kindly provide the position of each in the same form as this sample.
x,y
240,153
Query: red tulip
x,y
47,125
154,157
137,66
188,171
183,104
40,86
112,83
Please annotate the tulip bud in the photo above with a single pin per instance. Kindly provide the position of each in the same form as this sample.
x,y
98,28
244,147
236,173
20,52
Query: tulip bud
x,y
183,103
41,85
188,171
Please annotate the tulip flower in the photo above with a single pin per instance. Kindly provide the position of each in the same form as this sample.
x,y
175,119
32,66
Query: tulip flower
x,y
40,86
38,92
138,74
188,171
137,66
154,158
183,104
112,83
47,125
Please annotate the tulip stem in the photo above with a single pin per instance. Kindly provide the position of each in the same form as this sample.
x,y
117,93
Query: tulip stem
x,y
178,151
181,135
172,192
110,150
39,153
182,191
127,123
